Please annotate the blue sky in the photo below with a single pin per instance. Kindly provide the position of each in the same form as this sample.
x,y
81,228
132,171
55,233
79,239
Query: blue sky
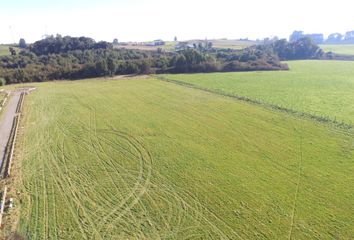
x,y
141,20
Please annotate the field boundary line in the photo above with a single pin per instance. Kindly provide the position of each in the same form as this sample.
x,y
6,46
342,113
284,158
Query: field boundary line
x,y
16,123
5,168
320,119
296,193
20,103
8,150
14,134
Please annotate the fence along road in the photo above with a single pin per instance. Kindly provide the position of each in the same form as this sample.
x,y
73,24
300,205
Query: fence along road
x,y
6,121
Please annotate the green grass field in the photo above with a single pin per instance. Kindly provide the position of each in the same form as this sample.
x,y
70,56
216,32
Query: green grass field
x,y
4,50
233,44
169,46
347,49
321,88
147,159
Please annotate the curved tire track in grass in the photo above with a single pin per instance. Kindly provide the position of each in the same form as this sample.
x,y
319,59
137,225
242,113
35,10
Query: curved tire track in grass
x,y
171,196
142,182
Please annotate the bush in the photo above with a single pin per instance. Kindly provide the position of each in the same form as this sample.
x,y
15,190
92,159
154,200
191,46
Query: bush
x,y
259,65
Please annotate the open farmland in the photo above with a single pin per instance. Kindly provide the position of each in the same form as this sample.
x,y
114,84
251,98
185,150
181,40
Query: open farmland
x,y
320,88
169,46
347,49
233,44
4,50
149,159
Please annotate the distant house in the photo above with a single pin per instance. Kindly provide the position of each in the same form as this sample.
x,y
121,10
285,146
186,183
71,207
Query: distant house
x,y
183,46
150,44
157,42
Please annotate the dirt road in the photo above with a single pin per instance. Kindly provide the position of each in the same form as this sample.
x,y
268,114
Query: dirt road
x,y
6,120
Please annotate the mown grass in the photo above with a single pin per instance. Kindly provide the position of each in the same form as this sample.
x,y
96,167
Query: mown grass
x,y
147,159
347,49
319,88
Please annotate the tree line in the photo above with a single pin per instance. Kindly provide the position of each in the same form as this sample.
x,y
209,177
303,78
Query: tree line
x,y
318,38
58,57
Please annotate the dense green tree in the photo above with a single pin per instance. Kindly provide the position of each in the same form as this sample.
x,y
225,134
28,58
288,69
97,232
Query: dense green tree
x,y
59,44
22,43
74,58
145,67
210,45
101,67
334,38
296,35
349,37
112,66
181,62
303,48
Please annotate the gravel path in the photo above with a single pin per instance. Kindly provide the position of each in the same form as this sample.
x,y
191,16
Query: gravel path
x,y
6,120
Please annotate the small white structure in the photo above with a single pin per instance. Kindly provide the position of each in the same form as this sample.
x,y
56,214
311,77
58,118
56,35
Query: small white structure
x,y
11,203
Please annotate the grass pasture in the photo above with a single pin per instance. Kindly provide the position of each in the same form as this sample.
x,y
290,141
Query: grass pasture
x,y
321,88
233,44
169,46
147,159
347,49
4,50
